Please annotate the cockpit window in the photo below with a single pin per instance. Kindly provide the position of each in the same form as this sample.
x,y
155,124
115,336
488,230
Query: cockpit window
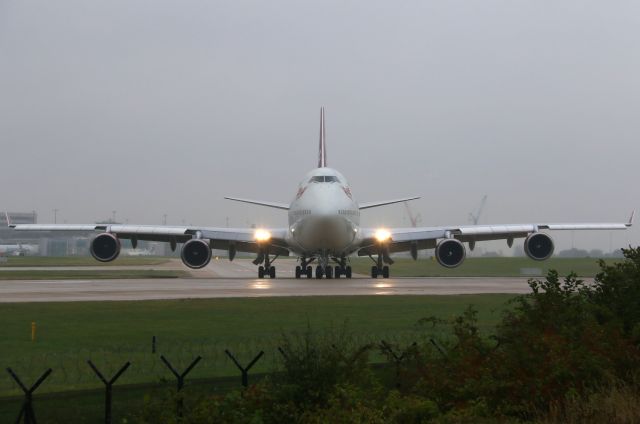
x,y
324,179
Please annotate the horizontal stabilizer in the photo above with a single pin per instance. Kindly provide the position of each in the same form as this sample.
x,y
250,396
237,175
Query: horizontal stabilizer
x,y
261,203
367,205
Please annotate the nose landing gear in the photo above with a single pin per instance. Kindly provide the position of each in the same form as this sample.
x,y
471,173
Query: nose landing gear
x,y
323,269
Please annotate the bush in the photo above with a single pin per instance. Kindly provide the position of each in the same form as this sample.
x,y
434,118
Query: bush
x,y
553,357
564,337
315,363
617,403
616,293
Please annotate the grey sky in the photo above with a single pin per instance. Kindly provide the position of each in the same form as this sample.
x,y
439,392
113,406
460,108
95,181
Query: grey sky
x,y
154,107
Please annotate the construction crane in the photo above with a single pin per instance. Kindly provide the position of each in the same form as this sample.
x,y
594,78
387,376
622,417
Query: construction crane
x,y
413,218
475,218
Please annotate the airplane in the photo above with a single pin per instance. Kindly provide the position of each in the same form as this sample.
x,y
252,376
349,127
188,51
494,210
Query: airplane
x,y
18,249
323,229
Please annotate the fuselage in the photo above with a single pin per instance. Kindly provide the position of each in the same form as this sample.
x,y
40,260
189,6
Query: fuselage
x,y
323,217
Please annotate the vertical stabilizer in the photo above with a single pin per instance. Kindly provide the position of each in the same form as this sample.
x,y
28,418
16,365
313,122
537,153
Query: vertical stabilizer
x,y
322,153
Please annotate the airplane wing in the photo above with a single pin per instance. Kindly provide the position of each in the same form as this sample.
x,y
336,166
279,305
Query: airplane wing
x,y
406,239
242,239
276,205
367,205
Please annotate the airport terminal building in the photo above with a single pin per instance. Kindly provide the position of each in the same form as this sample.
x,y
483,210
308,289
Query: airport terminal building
x,y
45,243
57,243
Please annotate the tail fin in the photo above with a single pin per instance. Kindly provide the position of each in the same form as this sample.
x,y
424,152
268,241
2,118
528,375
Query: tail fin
x,y
322,154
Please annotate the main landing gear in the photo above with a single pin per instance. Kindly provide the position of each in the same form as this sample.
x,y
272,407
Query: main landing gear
x,y
384,272
306,271
323,269
379,269
267,270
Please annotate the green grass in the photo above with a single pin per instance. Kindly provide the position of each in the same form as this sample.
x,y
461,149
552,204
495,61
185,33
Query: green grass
x,y
483,267
111,333
403,267
80,274
31,261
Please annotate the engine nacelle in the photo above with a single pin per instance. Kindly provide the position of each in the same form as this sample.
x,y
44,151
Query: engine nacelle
x,y
450,253
538,246
196,253
105,247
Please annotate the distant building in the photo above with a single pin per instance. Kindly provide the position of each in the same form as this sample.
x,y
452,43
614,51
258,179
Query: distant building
x,y
50,243
19,218
9,236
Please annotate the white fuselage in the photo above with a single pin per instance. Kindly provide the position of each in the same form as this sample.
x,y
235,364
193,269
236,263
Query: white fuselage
x,y
323,218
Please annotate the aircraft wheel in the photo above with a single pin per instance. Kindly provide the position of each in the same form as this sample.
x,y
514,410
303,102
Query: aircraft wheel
x,y
348,271
338,272
298,271
309,272
329,272
374,272
260,271
319,272
385,271
272,272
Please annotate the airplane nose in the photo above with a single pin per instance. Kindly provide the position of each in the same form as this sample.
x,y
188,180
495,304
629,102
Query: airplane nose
x,y
326,200
324,213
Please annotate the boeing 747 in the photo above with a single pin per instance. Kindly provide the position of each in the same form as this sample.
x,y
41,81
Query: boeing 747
x,y
324,230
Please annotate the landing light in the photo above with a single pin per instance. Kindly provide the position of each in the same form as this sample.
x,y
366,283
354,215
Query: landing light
x,y
262,235
382,235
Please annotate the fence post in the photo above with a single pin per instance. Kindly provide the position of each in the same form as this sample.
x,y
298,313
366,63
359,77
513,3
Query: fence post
x,y
180,379
397,359
244,370
349,361
442,350
283,353
27,406
108,386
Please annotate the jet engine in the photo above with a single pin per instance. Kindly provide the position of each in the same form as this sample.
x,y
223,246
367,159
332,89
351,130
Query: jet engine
x,y
538,246
450,253
196,253
105,247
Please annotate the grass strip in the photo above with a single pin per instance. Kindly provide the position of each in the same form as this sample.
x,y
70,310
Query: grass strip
x,y
90,274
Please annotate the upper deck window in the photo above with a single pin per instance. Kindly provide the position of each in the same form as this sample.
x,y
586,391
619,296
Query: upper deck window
x,y
324,179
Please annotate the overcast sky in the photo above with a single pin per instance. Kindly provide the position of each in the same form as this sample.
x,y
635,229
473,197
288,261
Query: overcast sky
x,y
164,107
